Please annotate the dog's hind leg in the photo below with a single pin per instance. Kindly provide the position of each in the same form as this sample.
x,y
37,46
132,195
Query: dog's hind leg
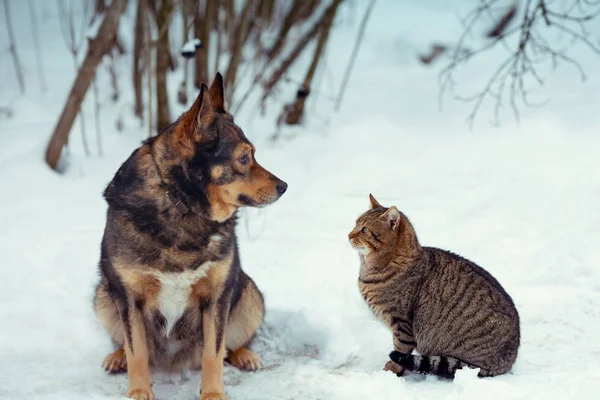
x,y
107,313
244,320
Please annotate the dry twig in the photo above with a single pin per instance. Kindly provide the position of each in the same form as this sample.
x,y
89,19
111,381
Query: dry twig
x,y
357,43
527,48
13,47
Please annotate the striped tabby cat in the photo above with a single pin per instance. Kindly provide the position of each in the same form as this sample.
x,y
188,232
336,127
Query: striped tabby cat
x,y
453,312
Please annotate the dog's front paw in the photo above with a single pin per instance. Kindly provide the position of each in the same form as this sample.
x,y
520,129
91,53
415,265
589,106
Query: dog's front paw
x,y
140,394
245,359
393,367
213,396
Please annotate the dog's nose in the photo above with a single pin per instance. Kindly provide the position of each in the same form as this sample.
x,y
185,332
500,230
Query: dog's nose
x,y
281,187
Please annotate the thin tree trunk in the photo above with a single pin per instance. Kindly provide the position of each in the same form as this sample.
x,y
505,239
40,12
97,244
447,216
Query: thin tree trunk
x,y
70,38
138,46
220,33
36,42
266,10
182,96
96,49
149,76
97,117
297,110
114,80
290,19
13,48
212,6
357,42
309,8
236,51
163,116
201,74
300,10
99,8
230,21
296,51
86,148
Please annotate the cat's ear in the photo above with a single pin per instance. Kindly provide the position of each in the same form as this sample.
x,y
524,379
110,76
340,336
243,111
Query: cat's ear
x,y
374,203
393,217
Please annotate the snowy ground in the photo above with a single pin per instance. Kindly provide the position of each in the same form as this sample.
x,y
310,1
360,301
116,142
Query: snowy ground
x,y
522,201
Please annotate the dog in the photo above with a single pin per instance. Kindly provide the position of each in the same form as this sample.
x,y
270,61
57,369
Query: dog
x,y
172,293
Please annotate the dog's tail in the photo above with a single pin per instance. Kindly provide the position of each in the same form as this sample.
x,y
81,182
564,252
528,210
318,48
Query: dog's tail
x,y
442,366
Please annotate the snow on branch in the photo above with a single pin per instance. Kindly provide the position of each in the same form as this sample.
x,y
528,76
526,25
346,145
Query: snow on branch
x,y
92,31
189,48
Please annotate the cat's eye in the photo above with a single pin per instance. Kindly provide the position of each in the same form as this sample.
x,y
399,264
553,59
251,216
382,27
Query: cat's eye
x,y
364,230
244,160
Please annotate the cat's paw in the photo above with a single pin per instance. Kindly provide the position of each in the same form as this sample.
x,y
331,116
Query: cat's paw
x,y
393,367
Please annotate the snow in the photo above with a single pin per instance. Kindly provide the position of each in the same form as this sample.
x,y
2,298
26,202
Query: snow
x,y
189,48
520,200
92,31
192,45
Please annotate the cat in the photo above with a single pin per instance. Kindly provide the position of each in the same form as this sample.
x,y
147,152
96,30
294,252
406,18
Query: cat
x,y
453,312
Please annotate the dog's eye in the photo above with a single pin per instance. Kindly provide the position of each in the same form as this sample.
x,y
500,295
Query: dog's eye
x,y
364,230
244,160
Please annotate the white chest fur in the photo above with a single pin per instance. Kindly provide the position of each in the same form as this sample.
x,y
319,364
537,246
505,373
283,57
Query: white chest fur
x,y
175,289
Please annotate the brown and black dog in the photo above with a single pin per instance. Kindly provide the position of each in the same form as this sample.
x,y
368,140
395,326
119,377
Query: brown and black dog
x,y
172,293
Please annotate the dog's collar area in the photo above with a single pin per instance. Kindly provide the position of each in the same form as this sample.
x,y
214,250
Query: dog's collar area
x,y
177,202
171,195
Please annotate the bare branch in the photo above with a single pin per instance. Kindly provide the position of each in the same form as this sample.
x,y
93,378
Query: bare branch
x,y
163,115
241,34
528,49
73,43
96,49
503,22
13,47
296,112
36,42
290,19
148,66
294,54
97,117
141,26
357,43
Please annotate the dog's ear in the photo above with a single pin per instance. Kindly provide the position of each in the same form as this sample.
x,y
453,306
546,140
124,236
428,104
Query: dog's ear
x,y
216,93
194,123
374,203
202,108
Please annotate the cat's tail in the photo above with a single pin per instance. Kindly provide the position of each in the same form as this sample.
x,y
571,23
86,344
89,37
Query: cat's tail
x,y
442,366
